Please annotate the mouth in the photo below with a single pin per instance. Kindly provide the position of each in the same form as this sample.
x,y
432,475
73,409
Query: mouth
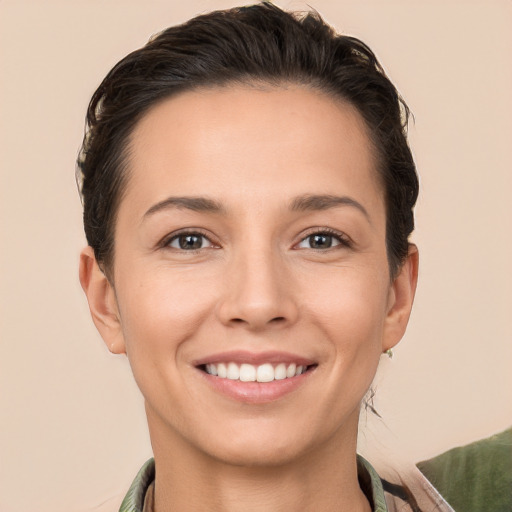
x,y
255,378
246,372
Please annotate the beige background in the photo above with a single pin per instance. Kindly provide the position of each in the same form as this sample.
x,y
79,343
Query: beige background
x,y
72,425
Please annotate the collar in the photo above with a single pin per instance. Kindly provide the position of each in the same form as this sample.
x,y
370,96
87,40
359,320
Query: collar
x,y
368,478
134,499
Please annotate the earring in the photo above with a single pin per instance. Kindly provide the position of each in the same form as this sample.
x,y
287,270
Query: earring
x,y
389,353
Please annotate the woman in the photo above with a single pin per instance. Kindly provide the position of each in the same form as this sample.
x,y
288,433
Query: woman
x,y
248,192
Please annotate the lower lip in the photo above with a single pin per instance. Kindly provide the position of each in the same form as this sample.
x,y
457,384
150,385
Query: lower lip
x,y
256,392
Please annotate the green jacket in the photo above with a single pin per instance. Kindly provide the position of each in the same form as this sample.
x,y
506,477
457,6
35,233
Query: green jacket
x,y
476,477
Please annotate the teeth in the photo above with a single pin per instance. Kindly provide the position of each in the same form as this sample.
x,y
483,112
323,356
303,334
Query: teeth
x,y
233,371
222,371
211,369
250,373
290,371
247,373
280,372
265,373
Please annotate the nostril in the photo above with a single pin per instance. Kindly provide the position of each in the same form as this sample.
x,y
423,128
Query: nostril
x,y
276,320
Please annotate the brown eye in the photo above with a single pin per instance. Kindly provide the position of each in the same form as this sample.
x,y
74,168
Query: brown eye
x,y
189,242
322,240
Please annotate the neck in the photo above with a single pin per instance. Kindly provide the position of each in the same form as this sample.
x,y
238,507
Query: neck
x,y
190,480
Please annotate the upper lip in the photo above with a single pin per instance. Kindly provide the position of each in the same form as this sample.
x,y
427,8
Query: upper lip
x,y
254,358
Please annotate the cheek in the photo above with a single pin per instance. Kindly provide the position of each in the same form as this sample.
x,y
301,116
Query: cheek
x,y
351,314
161,309
350,301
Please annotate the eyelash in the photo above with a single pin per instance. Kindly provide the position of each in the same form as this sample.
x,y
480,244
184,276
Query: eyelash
x,y
166,243
344,240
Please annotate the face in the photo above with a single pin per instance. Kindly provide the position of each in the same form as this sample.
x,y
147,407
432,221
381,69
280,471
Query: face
x,y
252,292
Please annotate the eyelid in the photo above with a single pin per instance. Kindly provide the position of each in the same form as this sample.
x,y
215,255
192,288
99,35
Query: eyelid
x,y
166,241
344,239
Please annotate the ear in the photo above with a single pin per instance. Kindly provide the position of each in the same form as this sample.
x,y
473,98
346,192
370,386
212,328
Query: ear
x,y
102,301
401,297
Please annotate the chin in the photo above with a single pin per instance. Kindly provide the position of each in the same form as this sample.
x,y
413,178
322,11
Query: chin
x,y
253,454
268,443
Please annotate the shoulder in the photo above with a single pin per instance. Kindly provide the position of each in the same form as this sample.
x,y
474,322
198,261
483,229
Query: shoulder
x,y
411,491
475,477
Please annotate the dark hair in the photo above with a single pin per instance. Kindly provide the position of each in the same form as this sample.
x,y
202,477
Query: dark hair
x,y
259,43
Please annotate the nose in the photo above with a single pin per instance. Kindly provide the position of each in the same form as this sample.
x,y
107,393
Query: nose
x,y
259,292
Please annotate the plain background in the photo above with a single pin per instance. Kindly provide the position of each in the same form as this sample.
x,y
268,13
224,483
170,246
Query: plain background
x,y
72,425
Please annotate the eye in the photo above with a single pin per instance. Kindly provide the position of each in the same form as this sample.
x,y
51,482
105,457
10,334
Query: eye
x,y
189,242
322,240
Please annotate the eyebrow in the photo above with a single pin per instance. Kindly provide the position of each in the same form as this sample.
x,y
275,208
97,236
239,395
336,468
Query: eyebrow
x,y
310,202
197,204
304,203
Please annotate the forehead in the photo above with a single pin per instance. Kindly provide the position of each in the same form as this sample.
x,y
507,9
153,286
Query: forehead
x,y
243,142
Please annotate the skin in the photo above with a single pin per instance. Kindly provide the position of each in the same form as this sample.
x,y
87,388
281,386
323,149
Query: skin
x,y
256,285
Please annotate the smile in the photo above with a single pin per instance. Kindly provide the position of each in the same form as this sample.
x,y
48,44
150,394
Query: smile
x,y
255,378
246,372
